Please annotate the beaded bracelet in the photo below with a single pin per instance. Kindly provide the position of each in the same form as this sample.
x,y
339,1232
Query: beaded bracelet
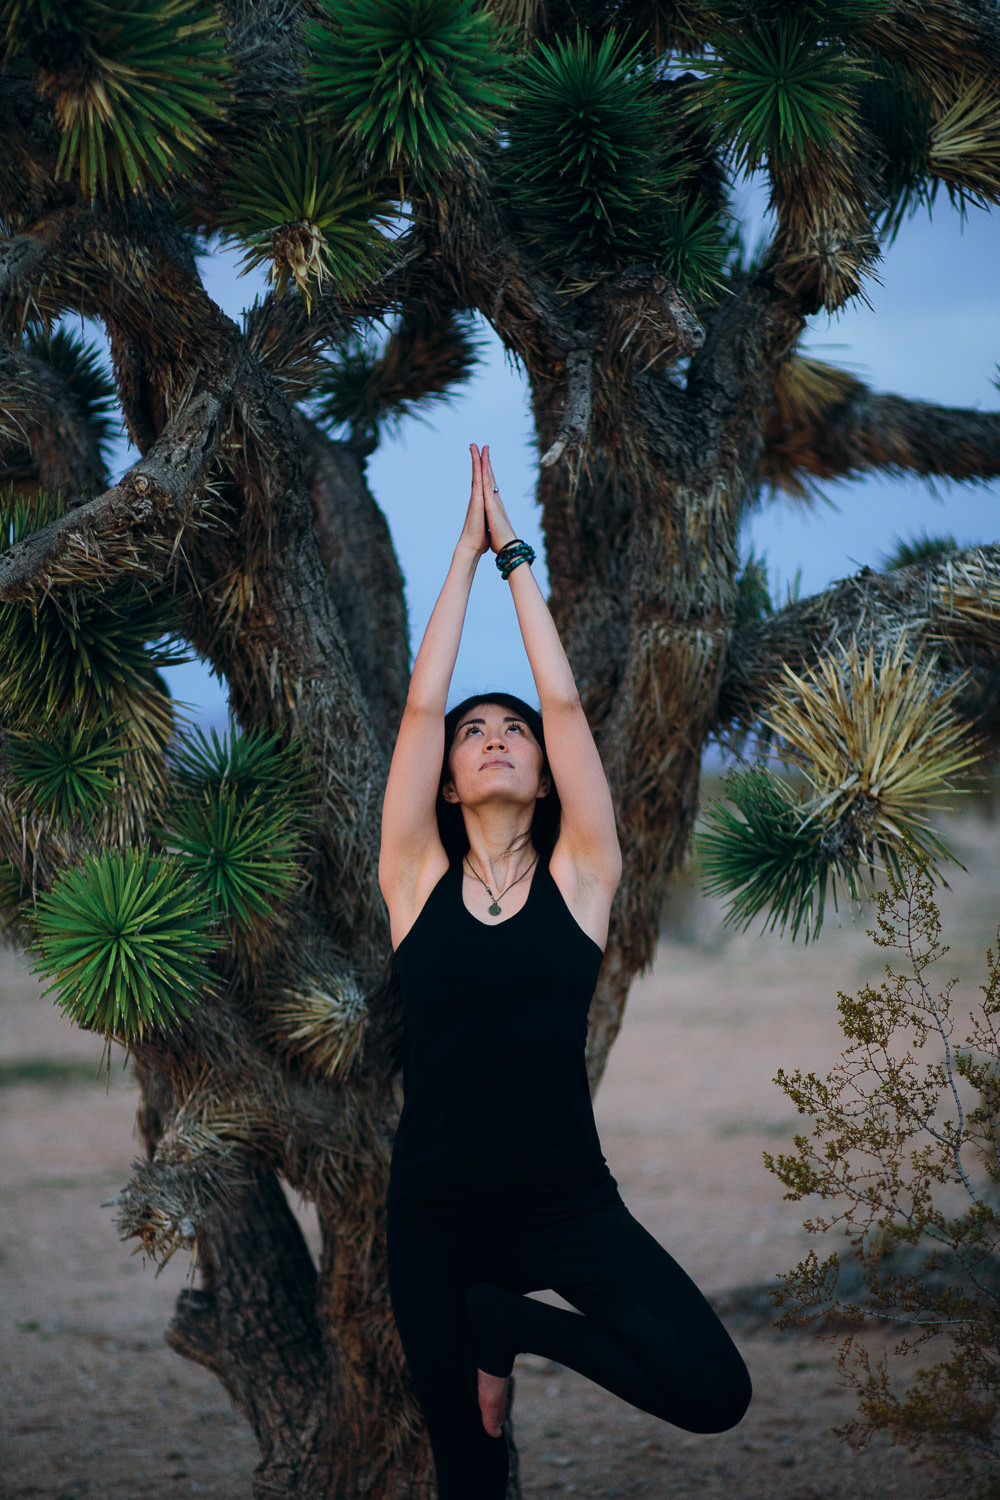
x,y
512,555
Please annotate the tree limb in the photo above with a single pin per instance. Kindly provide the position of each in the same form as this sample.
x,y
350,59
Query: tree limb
x,y
361,562
841,428
950,606
133,526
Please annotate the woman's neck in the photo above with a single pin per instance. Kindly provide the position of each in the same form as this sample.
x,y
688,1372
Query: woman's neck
x,y
499,843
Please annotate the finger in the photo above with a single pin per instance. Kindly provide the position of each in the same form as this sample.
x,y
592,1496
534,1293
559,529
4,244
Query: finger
x,y
488,477
477,470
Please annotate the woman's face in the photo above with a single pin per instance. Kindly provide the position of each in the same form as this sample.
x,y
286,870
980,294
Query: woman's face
x,y
494,755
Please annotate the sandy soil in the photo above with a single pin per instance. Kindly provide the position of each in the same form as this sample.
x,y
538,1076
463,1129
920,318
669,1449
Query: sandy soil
x,y
93,1403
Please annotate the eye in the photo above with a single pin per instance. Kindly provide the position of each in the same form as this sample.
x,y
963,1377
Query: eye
x,y
515,727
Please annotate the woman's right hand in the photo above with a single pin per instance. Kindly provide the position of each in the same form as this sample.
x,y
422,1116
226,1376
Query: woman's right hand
x,y
474,533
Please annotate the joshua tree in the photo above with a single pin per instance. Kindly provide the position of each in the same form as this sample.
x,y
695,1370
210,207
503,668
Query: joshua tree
x,y
564,169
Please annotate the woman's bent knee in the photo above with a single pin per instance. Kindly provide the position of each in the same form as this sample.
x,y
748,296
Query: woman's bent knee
x,y
722,1407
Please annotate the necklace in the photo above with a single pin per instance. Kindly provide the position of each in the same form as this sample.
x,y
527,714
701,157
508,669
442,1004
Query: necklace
x,y
494,907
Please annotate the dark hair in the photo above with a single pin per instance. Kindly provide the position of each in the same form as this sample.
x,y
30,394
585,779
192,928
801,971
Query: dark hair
x,y
545,818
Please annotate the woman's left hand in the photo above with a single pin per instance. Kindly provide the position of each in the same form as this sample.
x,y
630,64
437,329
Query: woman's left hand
x,y
497,520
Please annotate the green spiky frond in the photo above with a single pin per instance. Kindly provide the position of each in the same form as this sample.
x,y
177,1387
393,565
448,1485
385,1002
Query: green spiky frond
x,y
241,853
693,248
247,764
414,84
67,773
877,745
585,167
763,855
237,821
134,89
125,940
780,92
369,386
81,367
83,657
753,594
922,548
297,206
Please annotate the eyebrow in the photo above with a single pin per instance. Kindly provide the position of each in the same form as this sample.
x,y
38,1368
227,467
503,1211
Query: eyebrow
x,y
508,719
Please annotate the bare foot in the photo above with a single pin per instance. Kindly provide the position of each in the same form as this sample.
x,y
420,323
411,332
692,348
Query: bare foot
x,y
492,1401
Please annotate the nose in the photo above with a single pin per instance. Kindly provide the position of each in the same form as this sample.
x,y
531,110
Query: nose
x,y
496,742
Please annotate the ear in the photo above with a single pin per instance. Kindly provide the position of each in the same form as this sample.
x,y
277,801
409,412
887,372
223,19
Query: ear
x,y
544,788
449,793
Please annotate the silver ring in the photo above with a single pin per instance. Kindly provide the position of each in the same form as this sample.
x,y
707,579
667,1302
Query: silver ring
x,y
496,489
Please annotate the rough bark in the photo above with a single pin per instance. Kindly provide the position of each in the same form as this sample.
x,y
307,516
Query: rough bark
x,y
364,575
253,1322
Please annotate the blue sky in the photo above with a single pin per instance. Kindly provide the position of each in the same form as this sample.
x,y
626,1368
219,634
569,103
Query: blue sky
x,y
932,332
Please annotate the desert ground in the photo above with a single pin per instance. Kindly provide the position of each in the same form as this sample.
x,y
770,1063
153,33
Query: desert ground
x,y
95,1405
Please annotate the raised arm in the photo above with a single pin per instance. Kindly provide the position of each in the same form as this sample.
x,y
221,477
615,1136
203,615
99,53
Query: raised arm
x,y
587,854
412,858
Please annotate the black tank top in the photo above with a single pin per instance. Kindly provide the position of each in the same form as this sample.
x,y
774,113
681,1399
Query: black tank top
x,y
496,1103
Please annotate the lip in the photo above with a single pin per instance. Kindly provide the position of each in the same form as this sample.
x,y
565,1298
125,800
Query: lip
x,y
496,761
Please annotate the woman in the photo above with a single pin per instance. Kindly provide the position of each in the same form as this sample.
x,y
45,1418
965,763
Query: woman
x,y
498,872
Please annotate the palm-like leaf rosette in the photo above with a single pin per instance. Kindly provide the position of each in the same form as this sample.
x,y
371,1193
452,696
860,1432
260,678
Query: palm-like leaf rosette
x,y
297,206
413,84
135,89
237,825
67,773
877,745
126,940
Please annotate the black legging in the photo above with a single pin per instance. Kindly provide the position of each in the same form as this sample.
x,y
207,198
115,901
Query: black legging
x,y
647,1333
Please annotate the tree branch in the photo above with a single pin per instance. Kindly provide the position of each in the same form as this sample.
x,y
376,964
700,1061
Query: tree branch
x,y
364,574
824,424
950,606
132,526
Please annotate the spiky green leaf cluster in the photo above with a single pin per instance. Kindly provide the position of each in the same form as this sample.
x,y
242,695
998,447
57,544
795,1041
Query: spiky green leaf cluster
x,y
81,367
246,764
84,657
134,89
237,821
779,92
297,206
922,548
693,247
585,166
87,658
241,853
753,594
767,858
67,772
414,84
125,939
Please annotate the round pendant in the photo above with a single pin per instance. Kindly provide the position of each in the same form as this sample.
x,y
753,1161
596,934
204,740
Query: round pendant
x,y
495,910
